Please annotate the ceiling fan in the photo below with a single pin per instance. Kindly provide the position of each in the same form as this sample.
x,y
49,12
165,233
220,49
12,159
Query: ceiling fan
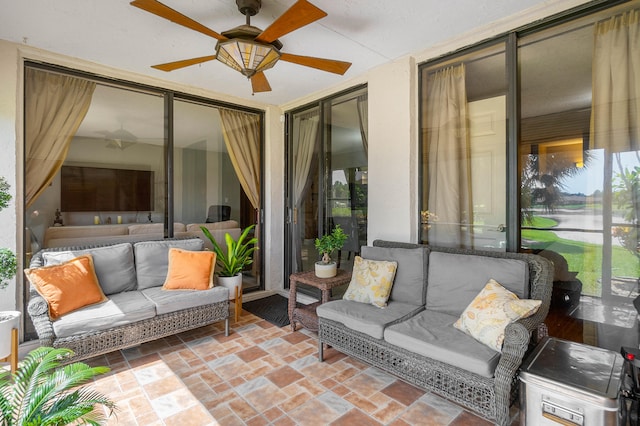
x,y
246,48
119,139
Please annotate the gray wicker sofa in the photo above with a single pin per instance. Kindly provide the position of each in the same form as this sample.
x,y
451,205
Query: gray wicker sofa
x,y
137,310
414,338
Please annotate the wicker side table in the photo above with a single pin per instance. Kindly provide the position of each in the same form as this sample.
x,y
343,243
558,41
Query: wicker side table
x,y
306,314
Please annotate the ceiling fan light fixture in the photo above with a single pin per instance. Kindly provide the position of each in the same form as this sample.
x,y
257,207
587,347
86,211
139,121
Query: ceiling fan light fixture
x,y
247,56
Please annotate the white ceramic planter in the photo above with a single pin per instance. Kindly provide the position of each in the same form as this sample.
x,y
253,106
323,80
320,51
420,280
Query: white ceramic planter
x,y
231,283
8,321
326,270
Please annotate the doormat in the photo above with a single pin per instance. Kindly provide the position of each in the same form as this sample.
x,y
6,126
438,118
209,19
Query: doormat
x,y
273,309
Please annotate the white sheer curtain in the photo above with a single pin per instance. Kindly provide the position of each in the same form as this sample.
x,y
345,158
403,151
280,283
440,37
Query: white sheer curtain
x,y
363,118
55,106
615,113
305,136
448,158
615,118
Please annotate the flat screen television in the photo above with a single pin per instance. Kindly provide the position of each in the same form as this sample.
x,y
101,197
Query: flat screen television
x,y
95,189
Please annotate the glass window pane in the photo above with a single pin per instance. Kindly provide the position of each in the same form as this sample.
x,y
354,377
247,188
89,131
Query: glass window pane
x,y
113,172
464,151
579,164
206,186
204,176
303,188
348,173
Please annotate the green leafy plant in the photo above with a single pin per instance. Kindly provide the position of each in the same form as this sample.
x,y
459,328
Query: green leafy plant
x,y
7,257
44,392
239,253
8,267
329,243
626,186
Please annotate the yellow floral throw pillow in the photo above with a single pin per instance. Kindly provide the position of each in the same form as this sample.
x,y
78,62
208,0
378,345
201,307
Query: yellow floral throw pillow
x,y
489,314
371,281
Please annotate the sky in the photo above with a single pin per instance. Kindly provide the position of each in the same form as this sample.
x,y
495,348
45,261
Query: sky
x,y
590,178
592,174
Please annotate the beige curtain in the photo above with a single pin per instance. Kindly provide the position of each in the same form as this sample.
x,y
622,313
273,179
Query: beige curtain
x,y
615,118
305,146
363,118
448,158
615,109
241,133
55,105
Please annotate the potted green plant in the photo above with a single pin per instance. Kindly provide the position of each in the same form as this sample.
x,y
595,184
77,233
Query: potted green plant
x,y
8,319
44,392
238,256
326,245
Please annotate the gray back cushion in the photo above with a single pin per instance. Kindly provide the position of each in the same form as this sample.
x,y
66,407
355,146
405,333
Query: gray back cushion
x,y
456,279
410,282
152,259
113,264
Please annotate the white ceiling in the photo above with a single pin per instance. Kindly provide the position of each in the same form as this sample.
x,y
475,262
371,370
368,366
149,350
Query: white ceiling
x,y
365,32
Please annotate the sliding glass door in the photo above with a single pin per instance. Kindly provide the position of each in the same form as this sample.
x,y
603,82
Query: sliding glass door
x,y
580,152
327,178
105,160
206,187
464,135
533,145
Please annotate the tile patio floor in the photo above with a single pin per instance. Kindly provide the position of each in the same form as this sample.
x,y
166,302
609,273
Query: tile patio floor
x,y
260,375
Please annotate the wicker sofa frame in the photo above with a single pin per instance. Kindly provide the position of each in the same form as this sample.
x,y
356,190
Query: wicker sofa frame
x,y
94,343
489,397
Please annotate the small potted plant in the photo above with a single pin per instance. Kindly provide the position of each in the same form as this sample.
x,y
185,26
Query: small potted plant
x,y
8,319
238,256
326,245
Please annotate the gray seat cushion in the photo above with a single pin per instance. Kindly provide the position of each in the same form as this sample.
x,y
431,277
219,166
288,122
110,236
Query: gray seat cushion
x,y
456,279
152,259
366,318
113,265
432,334
410,282
167,301
121,308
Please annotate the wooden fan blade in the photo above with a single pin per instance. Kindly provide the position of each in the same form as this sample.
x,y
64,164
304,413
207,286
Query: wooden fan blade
x,y
159,9
170,66
300,14
330,65
259,83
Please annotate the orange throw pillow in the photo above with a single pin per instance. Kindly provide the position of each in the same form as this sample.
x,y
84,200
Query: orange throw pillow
x,y
68,286
190,270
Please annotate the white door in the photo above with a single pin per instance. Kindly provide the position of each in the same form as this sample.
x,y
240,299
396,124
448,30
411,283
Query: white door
x,y
487,129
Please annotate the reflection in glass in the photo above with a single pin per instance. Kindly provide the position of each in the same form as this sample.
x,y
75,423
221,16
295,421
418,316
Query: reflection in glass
x,y
464,151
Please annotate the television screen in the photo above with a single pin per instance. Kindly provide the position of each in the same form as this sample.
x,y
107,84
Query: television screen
x,y
95,189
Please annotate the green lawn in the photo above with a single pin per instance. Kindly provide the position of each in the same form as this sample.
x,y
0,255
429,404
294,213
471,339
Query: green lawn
x,y
583,257
541,222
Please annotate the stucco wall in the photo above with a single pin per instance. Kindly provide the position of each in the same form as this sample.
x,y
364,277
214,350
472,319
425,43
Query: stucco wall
x,y
8,124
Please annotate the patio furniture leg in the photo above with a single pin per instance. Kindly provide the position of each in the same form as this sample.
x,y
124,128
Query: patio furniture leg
x,y
238,303
226,326
320,351
12,358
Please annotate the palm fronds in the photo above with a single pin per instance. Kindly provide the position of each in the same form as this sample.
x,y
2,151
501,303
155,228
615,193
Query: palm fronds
x,y
44,392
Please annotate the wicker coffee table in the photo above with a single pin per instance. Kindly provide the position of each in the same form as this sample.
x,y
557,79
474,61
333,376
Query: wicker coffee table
x,y
306,314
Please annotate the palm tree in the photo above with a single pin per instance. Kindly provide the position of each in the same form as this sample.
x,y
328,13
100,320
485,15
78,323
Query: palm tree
x,y
545,188
626,194
46,393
